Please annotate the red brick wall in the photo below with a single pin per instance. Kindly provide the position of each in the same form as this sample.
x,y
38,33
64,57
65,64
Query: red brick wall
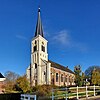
x,y
69,76
2,86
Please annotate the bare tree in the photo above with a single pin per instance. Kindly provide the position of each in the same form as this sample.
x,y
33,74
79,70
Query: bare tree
x,y
10,82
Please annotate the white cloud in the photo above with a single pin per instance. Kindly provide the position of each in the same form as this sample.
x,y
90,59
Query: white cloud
x,y
21,37
46,34
62,37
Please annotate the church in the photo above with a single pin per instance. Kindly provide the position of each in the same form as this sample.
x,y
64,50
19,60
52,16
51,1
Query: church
x,y
42,70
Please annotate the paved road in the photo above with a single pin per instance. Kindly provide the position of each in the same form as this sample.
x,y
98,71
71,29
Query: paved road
x,y
90,98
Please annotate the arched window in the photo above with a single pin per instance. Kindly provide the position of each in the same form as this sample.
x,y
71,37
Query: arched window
x,y
35,41
35,71
43,48
61,77
35,66
35,48
66,78
56,77
44,76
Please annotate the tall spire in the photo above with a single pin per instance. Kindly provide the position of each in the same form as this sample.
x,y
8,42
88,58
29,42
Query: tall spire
x,y
39,30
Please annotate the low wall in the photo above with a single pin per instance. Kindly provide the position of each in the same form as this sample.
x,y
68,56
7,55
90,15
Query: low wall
x,y
12,96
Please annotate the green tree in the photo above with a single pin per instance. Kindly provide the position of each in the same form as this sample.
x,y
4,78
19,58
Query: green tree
x,y
98,81
89,72
95,79
78,78
22,84
83,79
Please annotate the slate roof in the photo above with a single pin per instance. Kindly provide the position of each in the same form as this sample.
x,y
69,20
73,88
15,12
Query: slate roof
x,y
1,76
61,67
39,30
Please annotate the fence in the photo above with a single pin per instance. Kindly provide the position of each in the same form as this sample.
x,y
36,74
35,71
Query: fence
x,y
28,97
64,94
76,92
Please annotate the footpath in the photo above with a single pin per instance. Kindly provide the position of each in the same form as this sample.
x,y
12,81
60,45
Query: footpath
x,y
91,98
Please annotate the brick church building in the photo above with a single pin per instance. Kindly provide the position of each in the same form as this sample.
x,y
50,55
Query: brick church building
x,y
42,70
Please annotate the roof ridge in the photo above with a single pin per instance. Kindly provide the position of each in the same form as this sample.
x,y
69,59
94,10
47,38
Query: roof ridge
x,y
57,63
61,67
1,76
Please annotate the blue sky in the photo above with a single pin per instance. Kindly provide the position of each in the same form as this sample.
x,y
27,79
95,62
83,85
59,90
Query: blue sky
x,y
72,28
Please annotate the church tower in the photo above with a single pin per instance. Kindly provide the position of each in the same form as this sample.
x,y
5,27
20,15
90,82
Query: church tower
x,y
39,70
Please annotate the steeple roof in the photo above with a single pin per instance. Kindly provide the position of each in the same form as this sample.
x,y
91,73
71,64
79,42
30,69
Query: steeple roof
x,y
39,30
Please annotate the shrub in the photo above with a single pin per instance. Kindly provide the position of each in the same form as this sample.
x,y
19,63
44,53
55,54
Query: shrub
x,y
43,90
